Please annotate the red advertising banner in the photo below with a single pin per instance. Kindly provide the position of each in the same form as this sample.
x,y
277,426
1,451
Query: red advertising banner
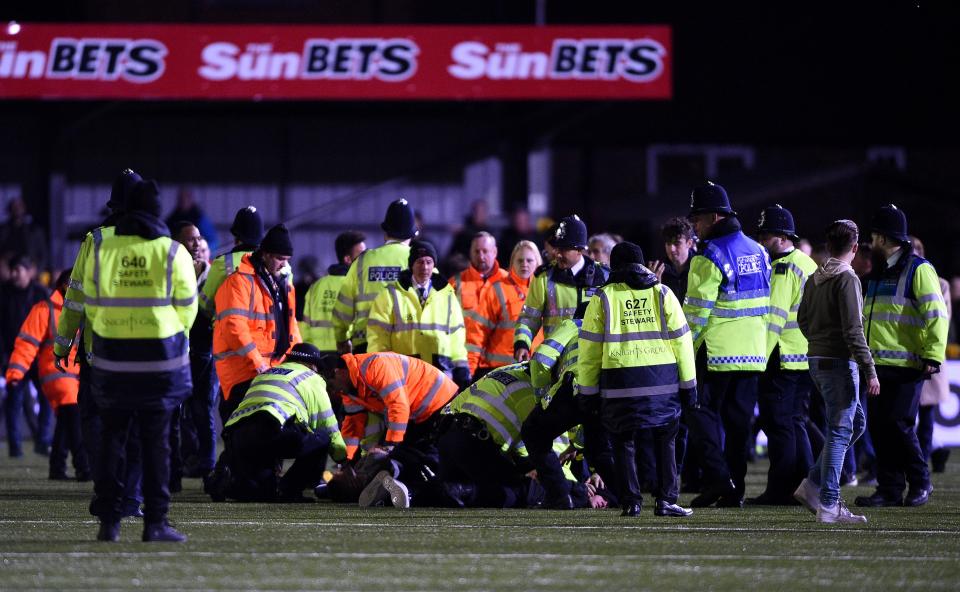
x,y
110,61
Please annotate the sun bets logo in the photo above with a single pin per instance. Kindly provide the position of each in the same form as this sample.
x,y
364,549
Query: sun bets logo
x,y
133,60
637,60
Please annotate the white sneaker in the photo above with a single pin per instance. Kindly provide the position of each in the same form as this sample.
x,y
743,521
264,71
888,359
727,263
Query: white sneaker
x,y
399,495
808,494
839,514
375,491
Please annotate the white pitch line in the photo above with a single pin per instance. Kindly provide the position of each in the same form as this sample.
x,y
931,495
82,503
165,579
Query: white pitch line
x,y
805,528
454,555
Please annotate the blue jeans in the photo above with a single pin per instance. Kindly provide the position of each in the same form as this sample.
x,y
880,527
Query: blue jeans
x,y
18,401
839,383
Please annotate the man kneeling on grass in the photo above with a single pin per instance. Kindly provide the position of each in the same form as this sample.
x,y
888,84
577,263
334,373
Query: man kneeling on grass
x,y
285,414
830,318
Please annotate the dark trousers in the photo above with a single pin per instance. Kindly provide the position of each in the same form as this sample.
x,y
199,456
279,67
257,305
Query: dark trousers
x,y
229,404
67,439
891,420
20,402
663,445
781,418
418,456
110,479
199,416
91,433
469,455
925,421
720,428
565,412
255,449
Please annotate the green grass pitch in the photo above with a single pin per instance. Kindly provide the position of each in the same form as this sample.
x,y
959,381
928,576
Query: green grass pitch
x,y
46,542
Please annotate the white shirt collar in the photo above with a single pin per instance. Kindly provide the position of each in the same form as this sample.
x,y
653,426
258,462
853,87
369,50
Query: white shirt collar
x,y
578,266
892,259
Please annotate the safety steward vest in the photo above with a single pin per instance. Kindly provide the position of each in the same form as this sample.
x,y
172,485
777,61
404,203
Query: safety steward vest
x,y
491,325
432,331
35,341
502,400
220,268
554,296
790,273
317,324
370,273
244,336
140,300
554,358
401,388
292,391
728,299
72,315
636,347
470,285
906,317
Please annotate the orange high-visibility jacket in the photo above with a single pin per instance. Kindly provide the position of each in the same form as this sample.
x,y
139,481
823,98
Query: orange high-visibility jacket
x,y
490,327
244,335
35,340
401,388
470,286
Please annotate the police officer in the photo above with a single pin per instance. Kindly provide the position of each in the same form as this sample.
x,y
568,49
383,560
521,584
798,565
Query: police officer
x,y
906,328
285,414
784,387
558,286
637,353
140,299
317,325
369,274
728,297
419,315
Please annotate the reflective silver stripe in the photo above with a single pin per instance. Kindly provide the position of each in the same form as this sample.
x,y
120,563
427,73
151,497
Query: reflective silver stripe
x,y
523,330
259,316
116,302
499,401
758,311
745,295
97,240
640,391
342,316
478,318
779,312
345,300
184,301
795,308
661,297
74,305
490,422
318,324
353,408
460,364
775,329
287,387
324,415
895,355
695,320
28,338
428,399
248,410
698,302
171,255
16,366
396,427
678,332
897,318
929,298
791,325
934,314
351,441
588,390
501,297
499,358
474,349
237,352
530,312
635,336
141,366
545,360
58,376
76,284
264,394
552,298
64,341
396,384
685,384
252,305
228,266
366,297
452,330
566,312
892,300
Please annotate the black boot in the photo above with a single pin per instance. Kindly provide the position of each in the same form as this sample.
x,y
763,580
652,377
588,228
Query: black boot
x,y
713,493
109,531
631,510
162,532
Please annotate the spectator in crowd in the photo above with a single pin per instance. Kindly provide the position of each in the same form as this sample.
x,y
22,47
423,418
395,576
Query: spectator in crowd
x,y
805,246
863,261
188,210
521,228
17,297
308,272
679,244
599,247
475,222
19,234
830,319
490,342
936,390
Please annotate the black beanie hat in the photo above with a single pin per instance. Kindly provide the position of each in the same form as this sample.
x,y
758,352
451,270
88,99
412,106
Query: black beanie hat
x,y
305,353
277,241
145,197
625,254
421,248
247,226
122,186
399,221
